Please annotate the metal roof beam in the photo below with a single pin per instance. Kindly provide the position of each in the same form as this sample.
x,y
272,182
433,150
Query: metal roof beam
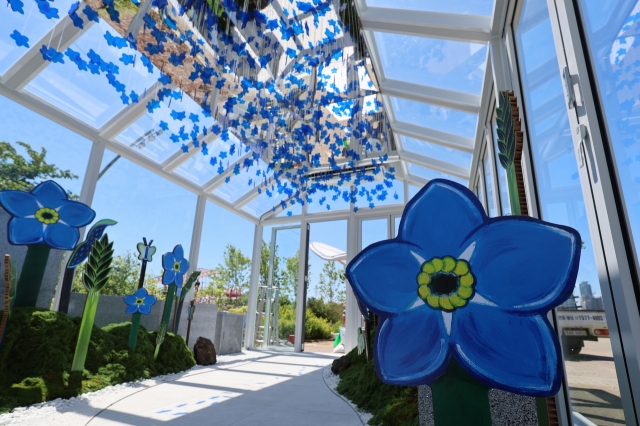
x,y
434,164
179,157
216,181
432,95
450,26
61,36
430,135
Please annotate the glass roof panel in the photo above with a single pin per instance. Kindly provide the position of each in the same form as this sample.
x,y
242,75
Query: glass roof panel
x,y
432,174
379,194
439,152
199,169
293,210
445,64
466,7
435,117
32,24
247,179
170,134
88,96
263,203
330,199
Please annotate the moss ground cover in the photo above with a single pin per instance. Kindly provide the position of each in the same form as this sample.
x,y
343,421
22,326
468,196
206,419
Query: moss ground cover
x,y
390,405
35,359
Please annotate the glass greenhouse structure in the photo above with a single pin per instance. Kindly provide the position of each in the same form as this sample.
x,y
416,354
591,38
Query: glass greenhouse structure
x,y
301,129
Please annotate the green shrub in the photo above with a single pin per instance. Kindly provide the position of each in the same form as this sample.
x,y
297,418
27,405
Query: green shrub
x,y
315,328
331,311
35,360
390,405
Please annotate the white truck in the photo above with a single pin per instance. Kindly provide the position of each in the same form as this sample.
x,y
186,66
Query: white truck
x,y
576,326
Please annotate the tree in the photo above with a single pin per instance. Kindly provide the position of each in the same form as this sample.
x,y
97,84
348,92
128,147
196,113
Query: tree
x,y
20,173
123,279
332,283
234,272
288,276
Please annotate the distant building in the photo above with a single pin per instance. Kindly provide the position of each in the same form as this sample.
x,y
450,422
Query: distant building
x,y
585,290
569,304
587,300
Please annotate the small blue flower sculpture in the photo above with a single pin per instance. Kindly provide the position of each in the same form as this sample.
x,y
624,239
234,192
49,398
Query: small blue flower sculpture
x,y
175,266
45,215
455,283
140,301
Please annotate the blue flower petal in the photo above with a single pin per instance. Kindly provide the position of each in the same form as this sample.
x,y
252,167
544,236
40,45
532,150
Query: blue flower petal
x,y
168,277
131,309
184,266
167,260
150,300
141,292
61,237
178,252
178,280
521,264
412,348
76,214
130,299
18,203
50,194
144,309
515,353
384,275
25,231
440,217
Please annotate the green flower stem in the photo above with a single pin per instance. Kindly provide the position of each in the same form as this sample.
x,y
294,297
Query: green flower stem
x,y
512,184
135,326
88,316
35,264
168,305
459,399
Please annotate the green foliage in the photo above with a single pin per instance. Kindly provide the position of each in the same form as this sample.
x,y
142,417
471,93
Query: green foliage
x,y
390,405
315,328
162,332
98,266
331,311
35,363
123,279
235,270
333,283
23,174
506,132
13,282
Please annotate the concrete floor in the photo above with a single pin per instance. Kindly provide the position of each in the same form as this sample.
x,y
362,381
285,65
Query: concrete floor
x,y
276,389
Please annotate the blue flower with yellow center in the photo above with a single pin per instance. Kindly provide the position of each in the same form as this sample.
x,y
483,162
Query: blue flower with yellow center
x,y
45,215
175,266
455,283
140,301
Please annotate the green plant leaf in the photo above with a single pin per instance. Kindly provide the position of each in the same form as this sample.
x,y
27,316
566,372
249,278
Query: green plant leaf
x,y
506,132
192,278
98,267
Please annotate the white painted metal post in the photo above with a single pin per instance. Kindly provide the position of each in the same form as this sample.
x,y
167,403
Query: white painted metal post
x,y
250,331
353,316
302,282
196,240
86,196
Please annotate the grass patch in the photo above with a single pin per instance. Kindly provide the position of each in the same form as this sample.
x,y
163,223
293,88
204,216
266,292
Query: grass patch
x,y
390,405
36,357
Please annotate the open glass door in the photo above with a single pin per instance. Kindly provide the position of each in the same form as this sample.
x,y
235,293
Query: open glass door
x,y
277,293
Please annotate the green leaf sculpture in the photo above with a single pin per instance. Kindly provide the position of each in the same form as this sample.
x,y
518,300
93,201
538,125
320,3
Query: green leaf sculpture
x,y
187,287
96,275
160,339
507,141
11,281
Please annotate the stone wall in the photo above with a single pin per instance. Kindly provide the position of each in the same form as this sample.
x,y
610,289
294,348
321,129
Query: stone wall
x,y
228,337
203,324
18,253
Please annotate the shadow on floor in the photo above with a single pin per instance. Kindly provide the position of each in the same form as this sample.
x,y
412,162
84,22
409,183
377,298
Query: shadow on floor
x,y
601,407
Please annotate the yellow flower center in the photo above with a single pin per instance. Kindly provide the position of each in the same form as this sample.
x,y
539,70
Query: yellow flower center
x,y
139,301
446,283
176,266
47,216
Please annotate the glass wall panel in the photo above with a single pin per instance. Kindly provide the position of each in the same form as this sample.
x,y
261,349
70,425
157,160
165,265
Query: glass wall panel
x,y
375,194
467,7
616,56
593,386
435,117
432,174
64,149
503,186
144,205
373,231
488,182
446,64
436,151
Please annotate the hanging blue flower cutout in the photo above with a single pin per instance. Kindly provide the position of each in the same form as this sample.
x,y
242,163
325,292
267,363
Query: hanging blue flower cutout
x,y
45,215
455,283
140,301
175,266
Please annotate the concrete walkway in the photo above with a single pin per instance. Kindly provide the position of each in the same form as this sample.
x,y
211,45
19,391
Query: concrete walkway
x,y
275,389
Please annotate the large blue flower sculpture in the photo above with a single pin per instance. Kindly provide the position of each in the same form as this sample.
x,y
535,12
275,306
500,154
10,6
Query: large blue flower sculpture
x,y
140,301
45,215
455,283
175,266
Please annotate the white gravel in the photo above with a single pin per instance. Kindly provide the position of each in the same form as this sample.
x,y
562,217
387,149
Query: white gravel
x,y
332,380
77,411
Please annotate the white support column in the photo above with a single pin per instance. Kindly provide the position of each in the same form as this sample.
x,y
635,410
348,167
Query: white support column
x,y
196,239
353,316
86,196
302,282
250,330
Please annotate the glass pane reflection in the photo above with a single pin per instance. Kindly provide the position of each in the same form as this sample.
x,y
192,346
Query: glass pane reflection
x,y
593,386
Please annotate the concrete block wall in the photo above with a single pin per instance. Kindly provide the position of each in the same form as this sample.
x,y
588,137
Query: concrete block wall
x,y
111,310
228,337
203,325
18,253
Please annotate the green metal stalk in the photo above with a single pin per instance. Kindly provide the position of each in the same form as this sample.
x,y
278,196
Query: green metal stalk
x,y
33,269
88,316
135,327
